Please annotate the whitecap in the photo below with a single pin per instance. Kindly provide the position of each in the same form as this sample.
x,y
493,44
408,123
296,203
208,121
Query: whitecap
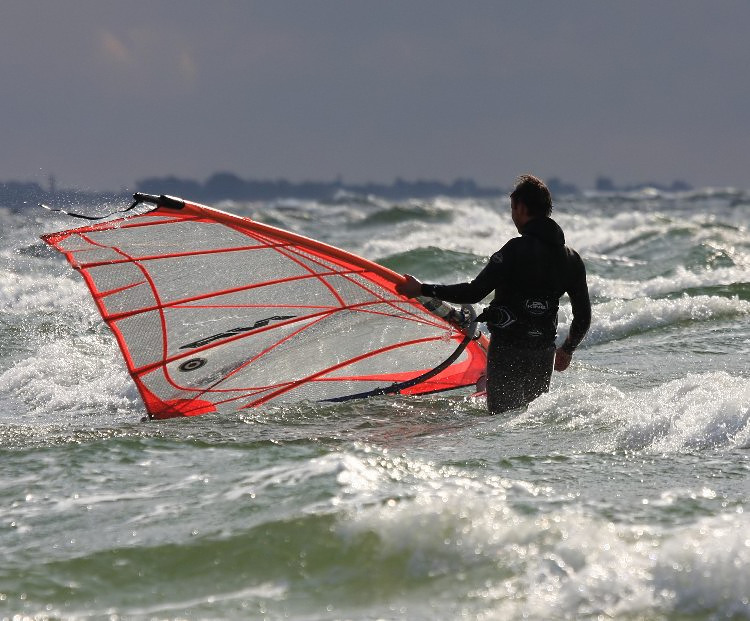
x,y
620,318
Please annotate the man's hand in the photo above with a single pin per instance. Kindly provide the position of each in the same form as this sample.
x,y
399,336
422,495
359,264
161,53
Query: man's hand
x,y
410,287
562,359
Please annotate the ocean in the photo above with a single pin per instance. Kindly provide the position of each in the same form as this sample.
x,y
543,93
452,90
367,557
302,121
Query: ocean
x,y
623,493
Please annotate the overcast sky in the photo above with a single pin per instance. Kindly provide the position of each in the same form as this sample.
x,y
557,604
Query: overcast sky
x,y
101,93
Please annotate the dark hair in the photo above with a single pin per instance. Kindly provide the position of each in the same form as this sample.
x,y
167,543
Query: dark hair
x,y
532,192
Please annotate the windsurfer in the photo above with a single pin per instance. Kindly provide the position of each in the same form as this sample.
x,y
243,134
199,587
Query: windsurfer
x,y
529,275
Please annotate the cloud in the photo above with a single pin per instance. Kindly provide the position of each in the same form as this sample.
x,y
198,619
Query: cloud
x,y
113,48
145,55
187,66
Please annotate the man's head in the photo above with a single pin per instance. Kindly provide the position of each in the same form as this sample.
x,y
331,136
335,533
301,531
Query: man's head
x,y
531,192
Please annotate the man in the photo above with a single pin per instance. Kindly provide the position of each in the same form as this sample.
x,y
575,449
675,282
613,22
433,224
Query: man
x,y
529,274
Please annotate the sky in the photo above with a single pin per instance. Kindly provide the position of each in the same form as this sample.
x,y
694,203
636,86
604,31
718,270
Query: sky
x,y
102,93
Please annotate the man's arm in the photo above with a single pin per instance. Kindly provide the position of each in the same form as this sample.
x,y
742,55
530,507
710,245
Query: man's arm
x,y
462,293
492,276
581,306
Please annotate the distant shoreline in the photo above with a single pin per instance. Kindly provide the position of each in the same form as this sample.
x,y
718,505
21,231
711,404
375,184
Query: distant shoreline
x,y
228,186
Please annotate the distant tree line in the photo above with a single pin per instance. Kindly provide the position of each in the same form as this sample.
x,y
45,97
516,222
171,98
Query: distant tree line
x,y
228,186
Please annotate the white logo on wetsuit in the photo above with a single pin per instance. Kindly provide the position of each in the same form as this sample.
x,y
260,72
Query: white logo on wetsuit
x,y
536,307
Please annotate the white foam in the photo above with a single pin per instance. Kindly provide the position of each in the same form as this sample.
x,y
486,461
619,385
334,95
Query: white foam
x,y
564,563
601,233
706,567
604,233
709,410
619,318
681,279
69,378
475,228
356,478
23,293
621,570
697,411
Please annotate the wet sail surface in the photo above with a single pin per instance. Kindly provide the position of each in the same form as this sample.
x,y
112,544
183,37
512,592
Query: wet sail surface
x,y
217,313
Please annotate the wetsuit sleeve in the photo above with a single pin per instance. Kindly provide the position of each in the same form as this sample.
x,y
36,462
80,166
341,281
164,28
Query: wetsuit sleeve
x,y
578,292
467,292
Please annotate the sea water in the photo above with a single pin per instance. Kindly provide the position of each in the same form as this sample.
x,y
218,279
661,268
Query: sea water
x,y
620,494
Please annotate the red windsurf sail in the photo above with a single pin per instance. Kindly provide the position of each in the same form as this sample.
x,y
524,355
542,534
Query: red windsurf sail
x,y
218,313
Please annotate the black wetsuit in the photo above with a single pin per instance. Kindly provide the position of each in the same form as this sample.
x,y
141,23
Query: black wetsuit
x,y
529,274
